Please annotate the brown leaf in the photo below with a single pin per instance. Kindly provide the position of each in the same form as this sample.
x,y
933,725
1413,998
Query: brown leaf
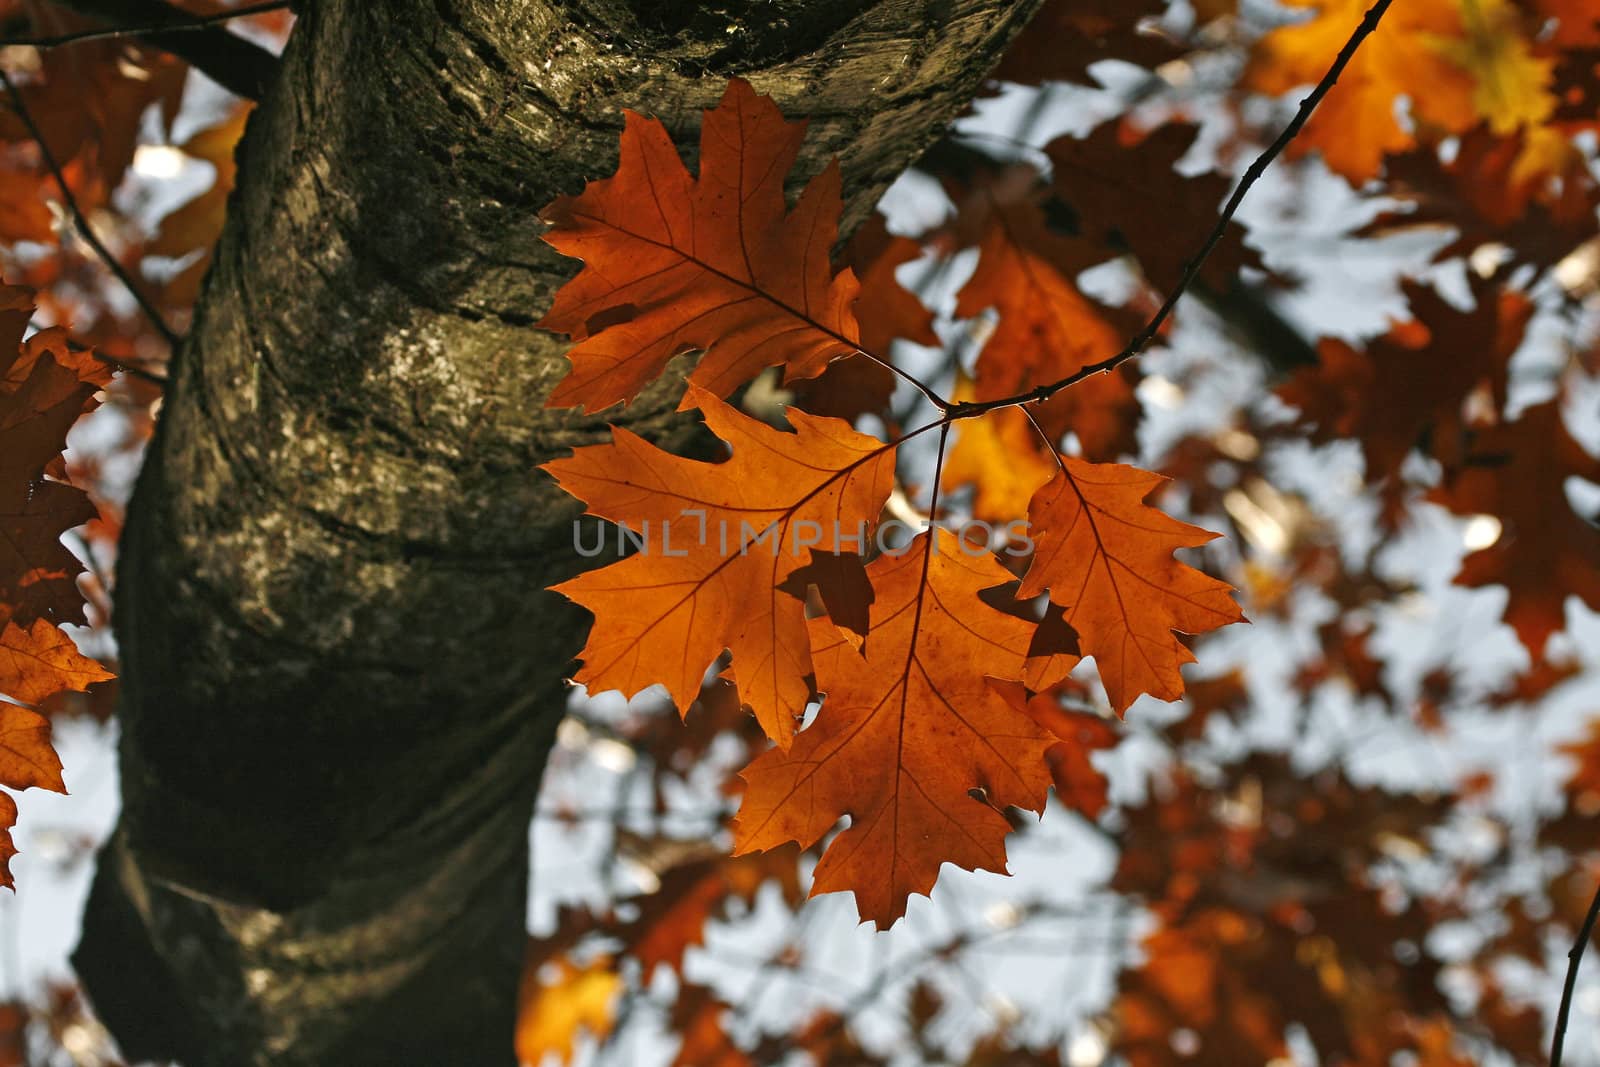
x,y
1111,179
1067,36
1517,472
1411,386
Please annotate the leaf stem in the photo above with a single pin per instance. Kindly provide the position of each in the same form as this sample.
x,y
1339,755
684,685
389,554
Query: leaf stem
x,y
1050,446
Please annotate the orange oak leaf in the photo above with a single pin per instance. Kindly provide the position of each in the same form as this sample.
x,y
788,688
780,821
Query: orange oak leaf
x,y
718,540
858,385
8,847
673,263
911,742
1106,557
1517,472
551,1011
1080,785
26,758
26,761
1047,329
44,388
38,575
38,661
1001,457
1357,125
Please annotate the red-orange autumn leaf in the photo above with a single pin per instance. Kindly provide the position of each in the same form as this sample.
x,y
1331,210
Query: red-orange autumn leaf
x,y
1080,785
26,758
858,384
1003,458
1106,557
911,742
553,1011
1517,472
44,387
26,761
719,262
1357,125
1046,328
38,661
719,539
8,847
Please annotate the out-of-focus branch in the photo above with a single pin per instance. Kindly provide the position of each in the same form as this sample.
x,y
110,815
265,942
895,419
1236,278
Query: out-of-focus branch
x,y
238,65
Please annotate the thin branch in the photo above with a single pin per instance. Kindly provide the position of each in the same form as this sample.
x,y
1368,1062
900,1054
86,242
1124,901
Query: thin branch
x,y
132,370
78,218
161,26
1142,339
1574,957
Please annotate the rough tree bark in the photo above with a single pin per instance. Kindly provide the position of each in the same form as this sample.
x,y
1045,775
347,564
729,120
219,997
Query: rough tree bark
x,y
340,674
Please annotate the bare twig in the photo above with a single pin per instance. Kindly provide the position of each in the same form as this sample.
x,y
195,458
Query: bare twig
x,y
1142,339
132,370
234,62
82,222
1574,957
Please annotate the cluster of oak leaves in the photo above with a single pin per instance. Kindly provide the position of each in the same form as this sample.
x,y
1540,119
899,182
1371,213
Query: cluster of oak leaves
x,y
946,685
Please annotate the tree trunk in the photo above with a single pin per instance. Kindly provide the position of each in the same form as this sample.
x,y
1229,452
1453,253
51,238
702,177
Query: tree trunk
x,y
340,672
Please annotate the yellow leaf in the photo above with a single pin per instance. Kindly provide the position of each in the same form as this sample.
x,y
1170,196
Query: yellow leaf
x,y
550,1014
1511,84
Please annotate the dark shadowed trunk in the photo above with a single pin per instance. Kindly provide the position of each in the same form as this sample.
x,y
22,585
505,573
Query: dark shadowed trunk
x,y
341,675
